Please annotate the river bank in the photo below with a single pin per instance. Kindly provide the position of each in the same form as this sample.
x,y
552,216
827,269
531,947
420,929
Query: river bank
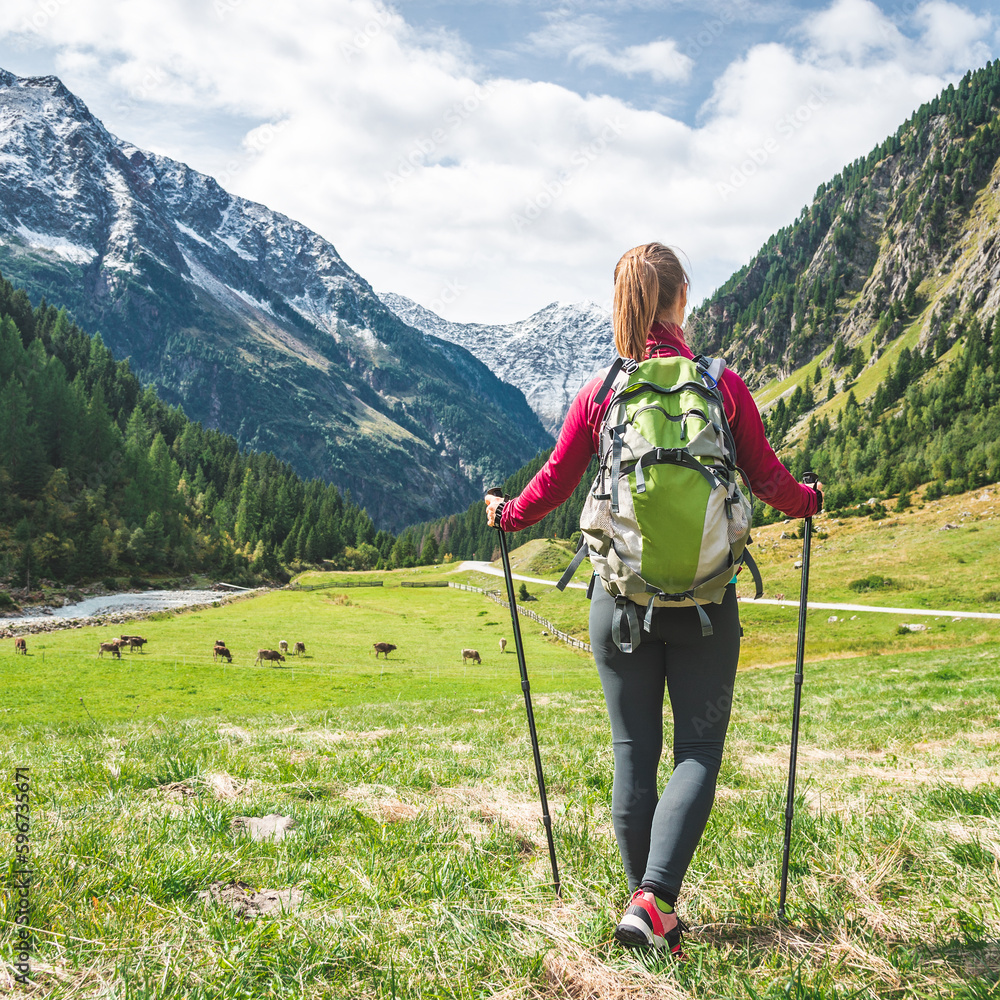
x,y
113,609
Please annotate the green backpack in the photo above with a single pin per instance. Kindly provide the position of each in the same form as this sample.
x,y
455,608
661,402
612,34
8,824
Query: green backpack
x,y
666,522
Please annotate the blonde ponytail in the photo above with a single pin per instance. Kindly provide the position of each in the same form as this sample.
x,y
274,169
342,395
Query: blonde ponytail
x,y
648,279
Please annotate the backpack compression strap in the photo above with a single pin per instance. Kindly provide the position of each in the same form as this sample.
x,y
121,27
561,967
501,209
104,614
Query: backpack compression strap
x,y
572,567
624,608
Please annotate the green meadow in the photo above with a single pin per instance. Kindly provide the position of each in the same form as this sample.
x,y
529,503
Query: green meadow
x,y
417,865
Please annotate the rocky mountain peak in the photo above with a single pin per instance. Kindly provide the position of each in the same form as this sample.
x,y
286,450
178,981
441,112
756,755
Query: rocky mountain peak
x,y
548,356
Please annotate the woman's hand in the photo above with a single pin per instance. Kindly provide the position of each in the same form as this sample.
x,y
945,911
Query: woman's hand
x,y
492,503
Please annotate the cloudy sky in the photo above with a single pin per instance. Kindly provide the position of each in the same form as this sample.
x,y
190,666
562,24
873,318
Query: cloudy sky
x,y
489,158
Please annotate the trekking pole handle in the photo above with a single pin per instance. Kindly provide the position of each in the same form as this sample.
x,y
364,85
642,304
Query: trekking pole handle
x,y
810,478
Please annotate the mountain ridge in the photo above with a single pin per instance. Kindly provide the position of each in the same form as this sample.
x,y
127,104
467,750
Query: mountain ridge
x,y
252,322
548,355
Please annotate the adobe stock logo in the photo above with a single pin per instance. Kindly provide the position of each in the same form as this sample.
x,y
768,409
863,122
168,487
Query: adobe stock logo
x,y
784,128
553,189
45,10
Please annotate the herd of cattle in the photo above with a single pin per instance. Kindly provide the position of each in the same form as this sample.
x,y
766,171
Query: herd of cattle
x,y
385,648
221,650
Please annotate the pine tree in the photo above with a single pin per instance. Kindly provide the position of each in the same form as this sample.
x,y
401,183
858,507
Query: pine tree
x,y
430,552
248,511
857,363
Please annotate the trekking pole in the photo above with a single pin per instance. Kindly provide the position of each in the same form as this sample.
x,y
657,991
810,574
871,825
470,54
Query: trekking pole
x,y
526,688
810,479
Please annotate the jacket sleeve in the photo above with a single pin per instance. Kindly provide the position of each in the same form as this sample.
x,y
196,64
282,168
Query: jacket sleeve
x,y
555,481
769,479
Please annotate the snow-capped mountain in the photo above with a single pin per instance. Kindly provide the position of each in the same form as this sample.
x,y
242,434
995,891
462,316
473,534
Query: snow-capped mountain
x,y
248,319
548,356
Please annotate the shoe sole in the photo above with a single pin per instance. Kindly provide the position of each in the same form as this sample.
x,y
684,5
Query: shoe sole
x,y
633,933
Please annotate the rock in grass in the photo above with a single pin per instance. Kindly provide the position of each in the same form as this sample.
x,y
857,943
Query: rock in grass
x,y
273,826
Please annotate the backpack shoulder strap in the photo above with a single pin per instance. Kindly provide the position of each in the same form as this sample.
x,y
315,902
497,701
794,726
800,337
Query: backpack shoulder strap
x,y
626,365
712,367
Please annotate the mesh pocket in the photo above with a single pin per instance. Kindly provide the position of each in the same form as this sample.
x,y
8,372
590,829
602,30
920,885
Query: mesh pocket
x,y
739,526
597,516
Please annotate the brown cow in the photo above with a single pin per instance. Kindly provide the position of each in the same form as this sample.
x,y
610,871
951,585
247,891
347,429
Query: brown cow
x,y
20,646
110,647
471,654
272,655
503,645
132,641
300,647
223,652
383,647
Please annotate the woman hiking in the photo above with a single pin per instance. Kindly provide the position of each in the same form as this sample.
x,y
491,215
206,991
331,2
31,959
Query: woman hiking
x,y
657,834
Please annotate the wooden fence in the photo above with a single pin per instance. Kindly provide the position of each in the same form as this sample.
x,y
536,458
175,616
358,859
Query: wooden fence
x,y
327,586
495,596
424,583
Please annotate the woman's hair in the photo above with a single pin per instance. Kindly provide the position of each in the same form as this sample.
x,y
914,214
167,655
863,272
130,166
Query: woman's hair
x,y
648,280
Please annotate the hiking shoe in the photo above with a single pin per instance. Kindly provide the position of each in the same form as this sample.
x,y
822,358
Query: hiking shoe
x,y
645,925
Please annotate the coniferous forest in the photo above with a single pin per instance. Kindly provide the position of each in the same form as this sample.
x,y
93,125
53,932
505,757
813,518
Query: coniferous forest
x,y
100,480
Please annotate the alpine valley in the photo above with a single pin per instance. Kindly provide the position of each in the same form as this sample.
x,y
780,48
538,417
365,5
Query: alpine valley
x,y
867,328
247,319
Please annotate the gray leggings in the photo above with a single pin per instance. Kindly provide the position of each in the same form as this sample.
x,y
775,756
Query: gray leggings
x,y
657,836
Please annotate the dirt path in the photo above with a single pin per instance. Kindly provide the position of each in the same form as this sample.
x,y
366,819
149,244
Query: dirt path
x,y
485,567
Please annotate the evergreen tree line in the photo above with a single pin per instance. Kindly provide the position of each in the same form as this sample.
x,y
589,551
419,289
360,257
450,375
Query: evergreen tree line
x,y
101,479
941,428
468,536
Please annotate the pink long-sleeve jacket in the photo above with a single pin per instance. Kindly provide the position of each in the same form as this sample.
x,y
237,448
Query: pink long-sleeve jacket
x,y
579,440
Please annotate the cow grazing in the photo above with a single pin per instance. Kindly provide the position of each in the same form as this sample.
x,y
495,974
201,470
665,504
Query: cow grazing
x,y
271,655
110,647
221,651
503,645
471,654
20,646
283,646
300,647
383,647
136,642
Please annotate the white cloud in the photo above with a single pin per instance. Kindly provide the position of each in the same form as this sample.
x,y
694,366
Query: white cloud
x,y
493,197
952,35
583,39
660,59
